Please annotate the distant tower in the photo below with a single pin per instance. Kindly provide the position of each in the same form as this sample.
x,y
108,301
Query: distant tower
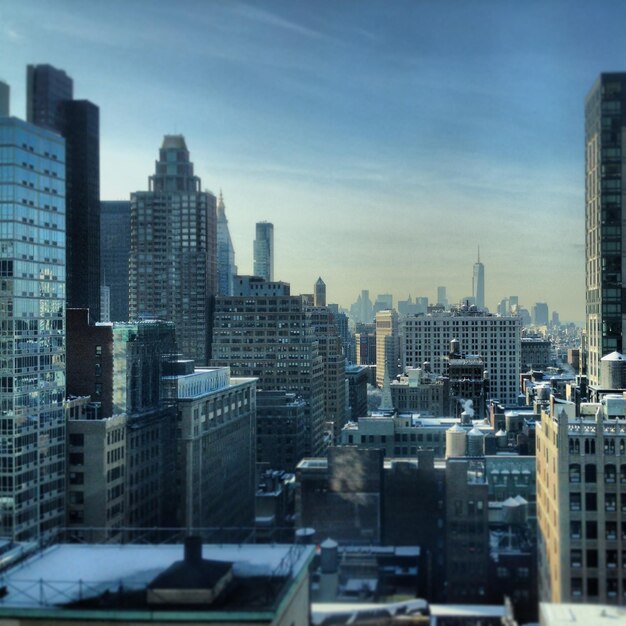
x,y
442,298
320,292
264,251
5,97
226,268
478,283
172,270
50,104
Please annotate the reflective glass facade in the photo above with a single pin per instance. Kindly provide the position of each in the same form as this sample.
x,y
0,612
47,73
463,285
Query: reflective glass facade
x,y
264,251
32,330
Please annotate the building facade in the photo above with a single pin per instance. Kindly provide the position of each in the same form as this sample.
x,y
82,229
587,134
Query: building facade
x,y
272,338
216,445
495,339
581,468
50,104
32,331
264,251
226,268
387,345
605,121
173,250
115,249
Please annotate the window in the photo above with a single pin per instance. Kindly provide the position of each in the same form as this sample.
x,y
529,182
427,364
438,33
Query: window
x,y
590,473
591,502
592,558
574,473
574,502
77,439
576,558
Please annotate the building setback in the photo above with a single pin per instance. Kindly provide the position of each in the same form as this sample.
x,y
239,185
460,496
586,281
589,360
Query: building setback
x,y
32,331
173,250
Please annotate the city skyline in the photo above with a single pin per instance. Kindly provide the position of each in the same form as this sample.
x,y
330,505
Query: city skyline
x,y
416,131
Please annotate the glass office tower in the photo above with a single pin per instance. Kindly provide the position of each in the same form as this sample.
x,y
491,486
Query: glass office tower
x,y
605,142
32,331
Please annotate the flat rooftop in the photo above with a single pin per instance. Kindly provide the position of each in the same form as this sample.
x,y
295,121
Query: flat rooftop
x,y
67,573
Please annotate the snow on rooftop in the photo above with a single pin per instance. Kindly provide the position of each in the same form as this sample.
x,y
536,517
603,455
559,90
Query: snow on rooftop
x,y
65,572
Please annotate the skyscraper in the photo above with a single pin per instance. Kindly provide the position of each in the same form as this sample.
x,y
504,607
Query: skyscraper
x,y
264,251
32,331
605,123
387,345
226,268
173,250
115,246
319,295
50,104
478,283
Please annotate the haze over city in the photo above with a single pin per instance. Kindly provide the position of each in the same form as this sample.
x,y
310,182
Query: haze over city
x,y
385,143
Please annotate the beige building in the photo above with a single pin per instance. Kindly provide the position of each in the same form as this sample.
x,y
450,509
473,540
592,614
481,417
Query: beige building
x,y
387,345
581,510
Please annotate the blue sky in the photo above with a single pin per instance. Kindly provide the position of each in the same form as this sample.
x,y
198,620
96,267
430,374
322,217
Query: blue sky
x,y
386,141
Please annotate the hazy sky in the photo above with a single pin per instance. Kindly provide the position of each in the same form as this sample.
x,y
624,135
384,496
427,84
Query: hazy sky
x,y
384,140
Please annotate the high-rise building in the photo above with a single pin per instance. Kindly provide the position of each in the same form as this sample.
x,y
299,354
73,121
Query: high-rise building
x,y
264,251
32,331
478,283
442,298
580,502
215,470
605,123
115,247
226,268
387,345
495,339
5,99
540,314
173,250
319,293
272,337
50,104
330,349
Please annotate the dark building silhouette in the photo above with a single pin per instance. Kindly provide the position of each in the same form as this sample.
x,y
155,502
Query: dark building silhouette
x,y
115,250
50,104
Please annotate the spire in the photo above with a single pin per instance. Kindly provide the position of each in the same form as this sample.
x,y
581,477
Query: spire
x,y
221,208
479,253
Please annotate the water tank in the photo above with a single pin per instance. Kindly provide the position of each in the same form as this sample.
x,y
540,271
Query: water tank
x,y
305,535
511,511
455,347
329,556
475,443
501,439
613,371
455,441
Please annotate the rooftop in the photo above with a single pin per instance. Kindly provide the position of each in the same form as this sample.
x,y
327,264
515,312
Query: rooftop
x,y
46,581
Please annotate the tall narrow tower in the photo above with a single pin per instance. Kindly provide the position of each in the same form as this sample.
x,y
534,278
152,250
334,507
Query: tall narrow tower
x,y
264,251
226,268
605,142
173,251
50,104
478,283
